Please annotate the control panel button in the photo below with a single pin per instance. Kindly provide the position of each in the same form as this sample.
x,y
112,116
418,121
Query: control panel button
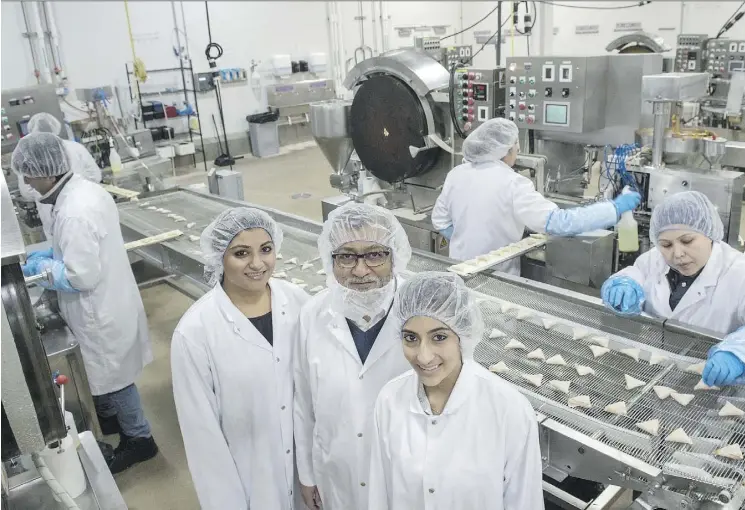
x,y
522,94
513,79
531,93
522,106
531,80
564,92
521,118
513,91
471,76
521,80
548,92
531,107
531,119
513,104
512,116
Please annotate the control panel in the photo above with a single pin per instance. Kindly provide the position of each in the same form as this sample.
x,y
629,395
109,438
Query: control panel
x,y
457,55
689,56
19,105
723,56
556,93
478,95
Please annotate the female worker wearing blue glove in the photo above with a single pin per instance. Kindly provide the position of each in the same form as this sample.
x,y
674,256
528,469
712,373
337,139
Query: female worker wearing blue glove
x,y
485,205
690,276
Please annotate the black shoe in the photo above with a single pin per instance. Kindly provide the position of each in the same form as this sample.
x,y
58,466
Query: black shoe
x,y
131,451
109,425
107,451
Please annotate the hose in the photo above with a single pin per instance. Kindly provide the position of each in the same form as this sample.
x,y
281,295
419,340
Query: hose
x,y
53,484
139,66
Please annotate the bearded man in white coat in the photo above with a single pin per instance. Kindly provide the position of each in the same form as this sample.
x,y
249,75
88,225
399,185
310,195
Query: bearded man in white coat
x,y
348,348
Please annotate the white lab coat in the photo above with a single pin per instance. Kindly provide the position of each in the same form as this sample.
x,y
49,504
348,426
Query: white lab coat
x,y
107,316
481,453
489,205
233,393
715,301
334,400
81,163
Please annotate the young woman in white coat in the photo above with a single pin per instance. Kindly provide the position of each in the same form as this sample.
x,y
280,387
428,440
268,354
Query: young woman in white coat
x,y
97,292
348,349
450,435
485,205
231,359
690,276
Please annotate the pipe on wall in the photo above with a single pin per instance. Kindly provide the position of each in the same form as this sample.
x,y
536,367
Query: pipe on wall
x,y
38,39
31,48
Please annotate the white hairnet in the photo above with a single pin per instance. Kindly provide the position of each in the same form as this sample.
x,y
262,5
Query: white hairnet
x,y
40,155
44,123
362,222
220,233
491,141
444,297
691,209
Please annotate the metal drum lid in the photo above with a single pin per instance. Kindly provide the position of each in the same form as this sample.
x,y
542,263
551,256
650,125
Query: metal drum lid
x,y
386,118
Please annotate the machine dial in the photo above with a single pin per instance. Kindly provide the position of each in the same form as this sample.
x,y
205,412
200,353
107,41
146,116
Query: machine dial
x,y
548,92
564,92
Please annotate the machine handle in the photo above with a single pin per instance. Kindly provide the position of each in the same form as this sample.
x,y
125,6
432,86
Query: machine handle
x,y
34,280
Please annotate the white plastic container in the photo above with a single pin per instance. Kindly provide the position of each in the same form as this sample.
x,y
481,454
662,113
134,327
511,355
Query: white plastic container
x,y
166,151
64,464
115,161
185,149
317,63
628,231
282,65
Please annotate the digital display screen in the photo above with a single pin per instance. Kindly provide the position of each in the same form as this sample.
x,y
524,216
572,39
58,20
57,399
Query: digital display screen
x,y
556,114
479,91
736,65
23,127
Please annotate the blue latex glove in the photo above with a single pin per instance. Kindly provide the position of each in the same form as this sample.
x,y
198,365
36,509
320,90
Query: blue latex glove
x,y
59,275
570,222
47,254
448,232
623,295
627,202
31,267
722,369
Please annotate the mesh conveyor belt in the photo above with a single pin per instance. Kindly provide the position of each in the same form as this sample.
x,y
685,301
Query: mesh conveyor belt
x,y
699,419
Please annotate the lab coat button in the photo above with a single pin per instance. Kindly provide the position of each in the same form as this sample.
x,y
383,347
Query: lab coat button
x,y
362,484
277,360
431,491
359,435
288,451
434,422
282,408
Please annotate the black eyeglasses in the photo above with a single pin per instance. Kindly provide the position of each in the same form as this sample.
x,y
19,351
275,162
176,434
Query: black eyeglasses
x,y
371,259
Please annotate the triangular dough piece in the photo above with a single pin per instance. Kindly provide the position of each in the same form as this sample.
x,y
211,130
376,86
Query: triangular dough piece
x,y
657,359
499,368
279,256
306,265
583,370
580,401
293,260
682,398
632,353
506,307
318,288
537,354
562,386
534,379
297,281
524,314
602,341
731,410
697,368
663,392
549,323
632,382
678,436
515,344
321,271
618,408
731,451
701,385
556,360
495,333
650,426
598,351
579,333
280,274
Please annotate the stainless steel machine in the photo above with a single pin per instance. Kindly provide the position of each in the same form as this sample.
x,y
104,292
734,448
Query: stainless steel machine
x,y
582,442
19,105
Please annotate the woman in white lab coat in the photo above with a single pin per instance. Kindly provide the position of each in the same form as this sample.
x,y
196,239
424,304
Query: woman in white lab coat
x,y
691,276
485,205
450,435
81,163
231,359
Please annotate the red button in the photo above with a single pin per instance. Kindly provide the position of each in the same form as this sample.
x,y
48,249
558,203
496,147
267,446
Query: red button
x,y
522,106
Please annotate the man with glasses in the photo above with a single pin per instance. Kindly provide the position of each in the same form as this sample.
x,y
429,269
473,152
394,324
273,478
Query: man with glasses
x,y
347,349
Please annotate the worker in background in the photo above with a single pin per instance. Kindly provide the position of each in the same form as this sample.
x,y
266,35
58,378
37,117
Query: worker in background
x,y
450,435
691,276
485,205
231,358
97,293
348,349
81,163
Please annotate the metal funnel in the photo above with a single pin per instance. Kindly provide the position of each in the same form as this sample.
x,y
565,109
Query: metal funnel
x,y
329,123
713,150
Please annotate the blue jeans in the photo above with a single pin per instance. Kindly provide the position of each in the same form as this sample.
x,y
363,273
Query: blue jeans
x,y
125,405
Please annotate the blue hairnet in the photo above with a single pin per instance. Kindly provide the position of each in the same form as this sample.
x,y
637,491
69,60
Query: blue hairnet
x,y
689,209
491,141
220,233
40,155
44,123
443,297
